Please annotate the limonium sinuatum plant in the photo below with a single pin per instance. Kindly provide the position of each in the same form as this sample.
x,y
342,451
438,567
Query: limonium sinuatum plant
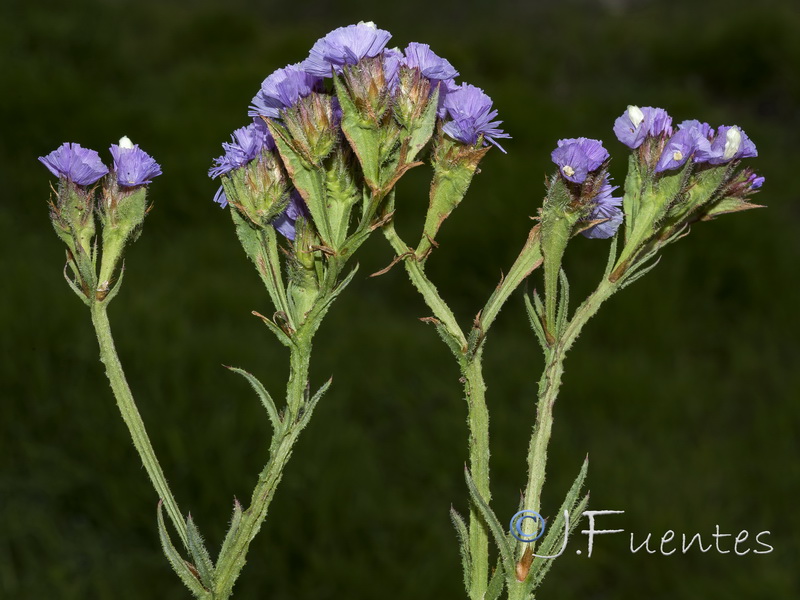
x,y
311,173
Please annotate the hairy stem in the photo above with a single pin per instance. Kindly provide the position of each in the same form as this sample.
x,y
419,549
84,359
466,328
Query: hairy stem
x,y
549,386
230,564
132,418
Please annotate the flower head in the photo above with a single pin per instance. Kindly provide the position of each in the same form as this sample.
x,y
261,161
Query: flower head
x,y
71,161
432,66
345,46
604,207
282,89
245,145
577,157
677,150
132,165
471,112
636,124
730,143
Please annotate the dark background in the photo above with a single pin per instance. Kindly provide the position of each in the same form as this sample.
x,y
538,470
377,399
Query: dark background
x,y
684,390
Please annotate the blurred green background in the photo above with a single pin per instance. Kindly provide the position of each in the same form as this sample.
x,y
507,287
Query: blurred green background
x,y
684,391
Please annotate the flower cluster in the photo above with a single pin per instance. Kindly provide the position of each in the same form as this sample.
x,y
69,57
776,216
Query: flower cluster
x,y
402,80
132,166
582,162
692,139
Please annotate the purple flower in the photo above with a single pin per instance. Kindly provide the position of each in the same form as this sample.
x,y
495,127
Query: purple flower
x,y
71,161
635,124
285,222
701,129
730,143
282,89
246,144
392,58
604,207
132,165
755,181
677,150
577,157
432,66
345,46
471,112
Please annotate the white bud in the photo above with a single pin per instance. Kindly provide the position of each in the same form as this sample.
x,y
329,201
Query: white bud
x,y
635,114
568,171
125,142
733,141
677,155
369,24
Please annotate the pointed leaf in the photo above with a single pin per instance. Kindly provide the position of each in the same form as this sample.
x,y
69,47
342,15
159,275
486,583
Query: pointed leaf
x,y
309,407
186,572
536,323
263,394
236,520
197,548
612,257
562,316
500,537
554,538
463,545
496,582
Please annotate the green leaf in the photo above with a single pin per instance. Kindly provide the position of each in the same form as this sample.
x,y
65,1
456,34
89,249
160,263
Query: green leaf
x,y
463,545
308,179
562,315
612,256
421,130
266,399
632,199
308,407
496,582
554,538
236,520
454,166
558,222
202,559
364,137
500,538
185,570
535,321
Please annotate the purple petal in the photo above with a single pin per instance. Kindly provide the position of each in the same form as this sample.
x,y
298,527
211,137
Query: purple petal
x,y
71,161
577,157
471,112
636,124
345,46
677,150
246,144
282,89
133,166
605,207
432,66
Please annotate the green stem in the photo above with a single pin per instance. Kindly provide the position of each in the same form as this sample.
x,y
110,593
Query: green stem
x,y
424,286
478,419
230,563
548,391
528,260
132,418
